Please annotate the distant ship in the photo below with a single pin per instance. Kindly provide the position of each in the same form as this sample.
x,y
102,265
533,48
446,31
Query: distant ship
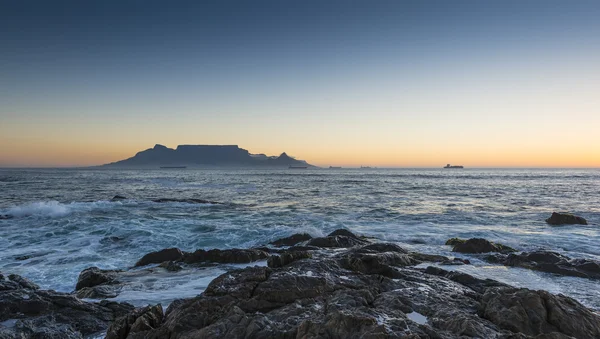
x,y
335,167
298,167
450,166
165,167
365,167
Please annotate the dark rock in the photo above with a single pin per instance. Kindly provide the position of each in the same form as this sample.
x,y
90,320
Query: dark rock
x,y
230,256
455,241
171,266
339,241
6,216
98,292
110,240
49,314
565,219
302,248
23,282
479,245
167,254
553,262
118,198
476,284
188,201
287,258
343,232
137,323
291,240
538,312
94,276
349,294
383,247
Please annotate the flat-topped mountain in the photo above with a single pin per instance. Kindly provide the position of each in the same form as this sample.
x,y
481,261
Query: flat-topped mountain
x,y
205,156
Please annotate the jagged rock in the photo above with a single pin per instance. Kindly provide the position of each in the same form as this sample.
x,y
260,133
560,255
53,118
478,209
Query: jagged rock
x,y
94,276
538,312
291,240
347,294
167,254
339,241
230,256
553,262
98,292
343,232
118,198
171,266
48,314
479,245
382,247
476,284
23,282
565,219
455,241
286,258
442,260
189,201
137,323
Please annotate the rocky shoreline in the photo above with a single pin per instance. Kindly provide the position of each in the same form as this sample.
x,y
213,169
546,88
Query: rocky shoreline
x,y
339,286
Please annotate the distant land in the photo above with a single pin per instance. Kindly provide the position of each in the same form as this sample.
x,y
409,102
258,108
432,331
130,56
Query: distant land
x,y
201,156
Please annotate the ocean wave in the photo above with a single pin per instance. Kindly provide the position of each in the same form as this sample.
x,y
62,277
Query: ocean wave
x,y
53,209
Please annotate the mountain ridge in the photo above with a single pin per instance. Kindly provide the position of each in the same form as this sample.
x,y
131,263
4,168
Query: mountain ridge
x,y
204,156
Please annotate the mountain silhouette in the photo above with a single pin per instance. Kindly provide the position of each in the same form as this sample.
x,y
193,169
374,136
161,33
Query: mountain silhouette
x,y
204,156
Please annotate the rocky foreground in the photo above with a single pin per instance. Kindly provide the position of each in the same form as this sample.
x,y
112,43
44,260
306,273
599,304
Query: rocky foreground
x,y
338,286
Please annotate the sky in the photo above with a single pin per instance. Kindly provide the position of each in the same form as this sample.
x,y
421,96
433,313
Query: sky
x,y
343,83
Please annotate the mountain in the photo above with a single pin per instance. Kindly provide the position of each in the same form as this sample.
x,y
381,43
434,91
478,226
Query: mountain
x,y
204,156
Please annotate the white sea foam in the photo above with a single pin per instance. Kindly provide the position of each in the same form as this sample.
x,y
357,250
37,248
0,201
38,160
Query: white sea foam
x,y
54,209
42,208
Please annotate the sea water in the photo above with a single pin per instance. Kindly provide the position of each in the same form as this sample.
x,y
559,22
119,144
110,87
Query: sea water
x,y
63,219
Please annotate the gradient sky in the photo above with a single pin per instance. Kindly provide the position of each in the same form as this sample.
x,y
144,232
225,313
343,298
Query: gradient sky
x,y
381,83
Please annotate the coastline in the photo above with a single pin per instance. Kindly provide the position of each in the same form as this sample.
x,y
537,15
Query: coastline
x,y
340,286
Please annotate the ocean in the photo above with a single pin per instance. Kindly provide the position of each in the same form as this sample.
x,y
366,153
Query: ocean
x,y
63,219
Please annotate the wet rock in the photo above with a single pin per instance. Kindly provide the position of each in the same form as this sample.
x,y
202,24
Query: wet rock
x,y
291,240
538,312
455,241
171,266
188,201
98,292
167,254
382,247
118,198
339,241
302,248
377,263
111,240
137,323
553,262
23,282
94,276
362,292
476,284
287,258
48,314
343,232
565,219
479,245
230,256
